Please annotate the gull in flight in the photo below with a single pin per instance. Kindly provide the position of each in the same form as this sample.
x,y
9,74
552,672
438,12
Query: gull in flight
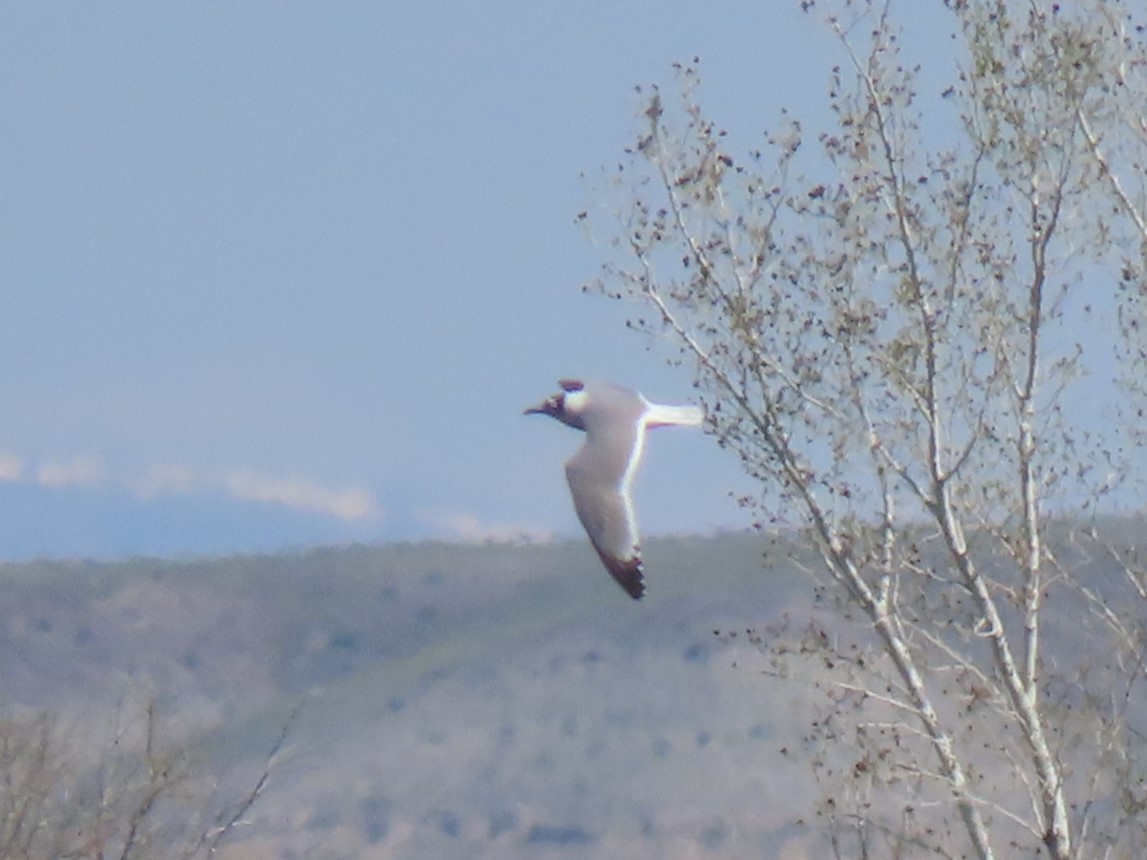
x,y
601,472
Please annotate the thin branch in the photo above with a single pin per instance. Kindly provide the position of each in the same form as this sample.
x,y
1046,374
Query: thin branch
x,y
227,825
1105,170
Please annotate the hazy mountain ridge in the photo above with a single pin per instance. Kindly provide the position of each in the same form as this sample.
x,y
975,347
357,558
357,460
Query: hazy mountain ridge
x,y
458,700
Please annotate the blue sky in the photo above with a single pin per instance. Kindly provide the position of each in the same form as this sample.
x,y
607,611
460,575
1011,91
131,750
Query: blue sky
x,y
279,274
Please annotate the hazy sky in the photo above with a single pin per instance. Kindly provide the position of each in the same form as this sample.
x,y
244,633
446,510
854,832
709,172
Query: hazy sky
x,y
274,274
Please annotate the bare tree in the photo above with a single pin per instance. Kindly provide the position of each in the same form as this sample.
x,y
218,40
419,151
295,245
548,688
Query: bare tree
x,y
135,797
921,327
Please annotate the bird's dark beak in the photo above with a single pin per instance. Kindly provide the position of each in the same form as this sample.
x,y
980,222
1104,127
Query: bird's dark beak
x,y
549,406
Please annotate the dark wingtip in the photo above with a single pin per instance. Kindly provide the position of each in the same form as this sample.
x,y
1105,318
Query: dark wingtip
x,y
571,384
628,574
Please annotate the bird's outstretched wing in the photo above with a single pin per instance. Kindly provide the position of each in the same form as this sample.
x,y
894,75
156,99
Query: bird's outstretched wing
x,y
599,476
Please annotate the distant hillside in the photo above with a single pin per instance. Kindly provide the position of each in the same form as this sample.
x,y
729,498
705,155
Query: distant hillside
x,y
458,701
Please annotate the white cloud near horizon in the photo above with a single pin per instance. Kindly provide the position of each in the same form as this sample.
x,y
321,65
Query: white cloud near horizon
x,y
85,470
467,528
11,468
350,504
167,478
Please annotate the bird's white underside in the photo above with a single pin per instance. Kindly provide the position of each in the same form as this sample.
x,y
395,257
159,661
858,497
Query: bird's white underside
x,y
655,414
627,481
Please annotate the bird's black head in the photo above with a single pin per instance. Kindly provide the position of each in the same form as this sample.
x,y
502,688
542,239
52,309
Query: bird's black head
x,y
565,406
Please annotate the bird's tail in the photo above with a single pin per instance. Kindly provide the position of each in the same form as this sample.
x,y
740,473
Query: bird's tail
x,y
661,415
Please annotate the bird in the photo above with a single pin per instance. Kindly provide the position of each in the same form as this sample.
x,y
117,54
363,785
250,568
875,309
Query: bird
x,y
600,474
